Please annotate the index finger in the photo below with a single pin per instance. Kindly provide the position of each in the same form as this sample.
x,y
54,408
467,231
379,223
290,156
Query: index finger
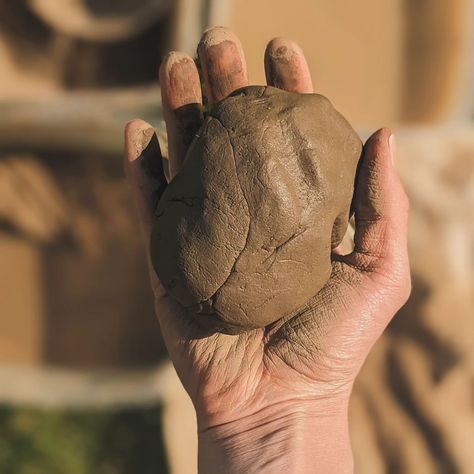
x,y
182,105
144,170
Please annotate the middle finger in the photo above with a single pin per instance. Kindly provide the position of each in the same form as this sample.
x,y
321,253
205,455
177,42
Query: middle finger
x,y
223,63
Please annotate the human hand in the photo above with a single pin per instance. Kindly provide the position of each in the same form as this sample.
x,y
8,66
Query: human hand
x,y
275,399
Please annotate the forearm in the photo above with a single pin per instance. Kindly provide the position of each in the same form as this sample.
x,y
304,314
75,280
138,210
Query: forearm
x,y
295,438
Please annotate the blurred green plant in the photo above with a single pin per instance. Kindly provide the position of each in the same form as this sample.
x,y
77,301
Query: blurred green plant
x,y
34,441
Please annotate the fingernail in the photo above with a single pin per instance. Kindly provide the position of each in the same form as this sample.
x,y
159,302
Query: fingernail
x,y
392,143
217,35
174,57
138,135
281,49
219,46
141,141
284,50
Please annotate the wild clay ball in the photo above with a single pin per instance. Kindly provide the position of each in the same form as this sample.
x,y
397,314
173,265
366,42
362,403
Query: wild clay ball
x,y
242,236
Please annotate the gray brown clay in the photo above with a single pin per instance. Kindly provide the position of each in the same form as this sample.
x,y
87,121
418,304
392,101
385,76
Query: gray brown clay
x,y
243,235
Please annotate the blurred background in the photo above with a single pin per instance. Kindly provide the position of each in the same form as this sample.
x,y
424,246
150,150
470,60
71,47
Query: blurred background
x,y
85,384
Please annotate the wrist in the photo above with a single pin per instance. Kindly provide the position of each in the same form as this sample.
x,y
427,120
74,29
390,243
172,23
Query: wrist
x,y
293,437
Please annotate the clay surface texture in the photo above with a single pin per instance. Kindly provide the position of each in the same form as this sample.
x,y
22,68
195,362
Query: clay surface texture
x,y
243,234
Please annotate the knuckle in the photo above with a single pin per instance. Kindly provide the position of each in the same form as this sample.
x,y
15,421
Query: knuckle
x,y
400,283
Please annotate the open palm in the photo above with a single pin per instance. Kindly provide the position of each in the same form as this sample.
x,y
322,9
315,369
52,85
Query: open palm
x,y
316,353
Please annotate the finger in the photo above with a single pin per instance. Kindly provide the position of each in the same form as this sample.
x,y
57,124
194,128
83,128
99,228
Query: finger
x,y
223,63
286,66
145,173
381,208
144,170
182,105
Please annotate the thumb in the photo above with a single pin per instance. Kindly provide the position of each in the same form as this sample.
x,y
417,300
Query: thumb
x,y
381,213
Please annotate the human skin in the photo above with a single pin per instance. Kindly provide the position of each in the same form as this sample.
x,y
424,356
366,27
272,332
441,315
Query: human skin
x,y
275,399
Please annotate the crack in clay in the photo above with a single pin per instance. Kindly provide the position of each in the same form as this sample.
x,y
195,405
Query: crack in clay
x,y
232,270
274,252
187,200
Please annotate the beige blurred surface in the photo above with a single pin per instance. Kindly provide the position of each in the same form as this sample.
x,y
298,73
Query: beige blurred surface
x,y
380,62
21,308
14,83
355,58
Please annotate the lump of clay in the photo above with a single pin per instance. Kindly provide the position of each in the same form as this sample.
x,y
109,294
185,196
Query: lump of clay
x,y
243,234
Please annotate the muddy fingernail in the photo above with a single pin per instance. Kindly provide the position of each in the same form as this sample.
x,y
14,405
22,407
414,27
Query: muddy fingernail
x,y
138,135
